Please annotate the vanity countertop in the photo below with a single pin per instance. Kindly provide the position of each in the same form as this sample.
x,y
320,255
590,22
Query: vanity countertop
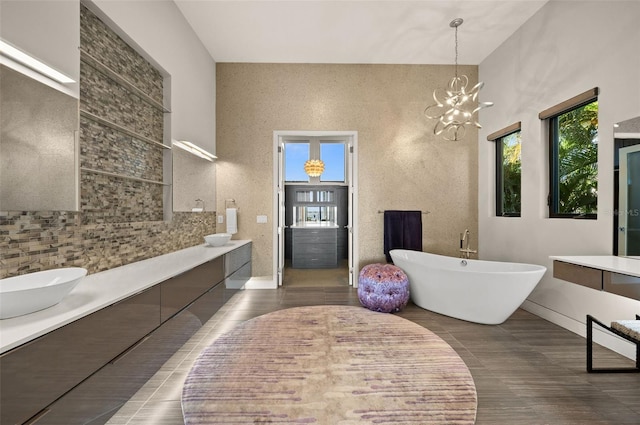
x,y
611,263
102,289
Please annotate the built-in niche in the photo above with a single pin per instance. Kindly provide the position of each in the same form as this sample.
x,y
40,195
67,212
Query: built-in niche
x,y
121,129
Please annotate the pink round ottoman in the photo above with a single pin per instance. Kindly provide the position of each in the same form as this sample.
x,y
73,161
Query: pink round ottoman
x,y
383,288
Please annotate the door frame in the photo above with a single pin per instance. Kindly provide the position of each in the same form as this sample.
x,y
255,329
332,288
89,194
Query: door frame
x,y
351,139
622,198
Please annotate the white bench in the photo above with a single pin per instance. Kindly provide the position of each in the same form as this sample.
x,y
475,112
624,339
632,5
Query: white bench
x,y
627,329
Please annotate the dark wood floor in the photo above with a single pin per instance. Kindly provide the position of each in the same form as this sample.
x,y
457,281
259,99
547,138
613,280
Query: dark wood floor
x,y
526,370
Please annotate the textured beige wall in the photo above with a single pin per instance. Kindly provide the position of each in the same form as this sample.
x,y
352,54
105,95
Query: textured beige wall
x,y
401,164
193,178
38,130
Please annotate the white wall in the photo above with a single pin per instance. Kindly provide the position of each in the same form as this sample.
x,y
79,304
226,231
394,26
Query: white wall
x,y
565,49
47,30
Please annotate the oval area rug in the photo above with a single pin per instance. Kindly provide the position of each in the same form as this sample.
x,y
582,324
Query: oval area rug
x,y
333,365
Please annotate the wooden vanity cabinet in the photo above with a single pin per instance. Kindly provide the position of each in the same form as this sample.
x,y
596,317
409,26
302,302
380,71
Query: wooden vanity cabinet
x,y
37,373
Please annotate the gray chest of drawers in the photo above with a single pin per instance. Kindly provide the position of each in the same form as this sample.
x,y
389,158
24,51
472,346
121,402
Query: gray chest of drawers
x,y
314,248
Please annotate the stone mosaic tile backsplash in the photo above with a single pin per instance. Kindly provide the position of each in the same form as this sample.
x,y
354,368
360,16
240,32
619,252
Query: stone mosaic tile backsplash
x,y
105,98
35,241
111,151
106,199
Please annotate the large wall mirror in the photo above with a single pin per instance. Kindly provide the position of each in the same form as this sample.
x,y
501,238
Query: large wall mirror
x,y
38,145
626,234
192,182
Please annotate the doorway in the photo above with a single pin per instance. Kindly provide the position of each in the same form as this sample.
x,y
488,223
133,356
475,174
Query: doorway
x,y
314,199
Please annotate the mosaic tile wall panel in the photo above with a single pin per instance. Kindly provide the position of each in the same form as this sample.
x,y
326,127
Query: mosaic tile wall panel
x,y
35,241
106,199
108,150
105,98
100,41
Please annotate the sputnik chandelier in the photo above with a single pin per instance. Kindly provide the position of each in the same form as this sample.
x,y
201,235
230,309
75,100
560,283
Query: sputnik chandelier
x,y
314,167
455,107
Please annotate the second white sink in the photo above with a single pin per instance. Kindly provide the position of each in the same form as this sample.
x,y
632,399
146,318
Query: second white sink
x,y
31,292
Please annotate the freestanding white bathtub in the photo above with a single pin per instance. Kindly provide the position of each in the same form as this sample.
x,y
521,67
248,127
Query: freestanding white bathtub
x,y
478,291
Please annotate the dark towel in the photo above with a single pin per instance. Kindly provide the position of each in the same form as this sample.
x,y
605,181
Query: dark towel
x,y
402,230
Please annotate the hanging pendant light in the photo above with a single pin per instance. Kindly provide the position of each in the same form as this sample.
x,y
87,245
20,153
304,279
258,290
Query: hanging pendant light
x,y
314,167
455,106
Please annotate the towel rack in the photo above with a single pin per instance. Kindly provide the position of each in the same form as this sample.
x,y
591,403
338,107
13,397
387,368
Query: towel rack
x,y
423,212
230,203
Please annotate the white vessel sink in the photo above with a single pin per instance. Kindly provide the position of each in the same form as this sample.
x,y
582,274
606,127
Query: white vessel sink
x,y
36,291
217,239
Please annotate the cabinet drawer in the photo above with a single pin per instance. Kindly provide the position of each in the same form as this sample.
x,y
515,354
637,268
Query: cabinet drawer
x,y
181,290
314,236
318,248
585,276
314,263
315,256
238,278
237,258
622,284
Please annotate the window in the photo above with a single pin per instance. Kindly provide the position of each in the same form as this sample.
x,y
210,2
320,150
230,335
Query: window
x,y
332,154
508,170
295,155
573,157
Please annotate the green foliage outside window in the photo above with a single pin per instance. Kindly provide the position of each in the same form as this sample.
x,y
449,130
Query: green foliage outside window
x,y
511,174
577,161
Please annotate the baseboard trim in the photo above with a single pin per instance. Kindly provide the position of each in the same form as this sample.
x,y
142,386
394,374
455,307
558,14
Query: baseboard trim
x,y
261,282
610,341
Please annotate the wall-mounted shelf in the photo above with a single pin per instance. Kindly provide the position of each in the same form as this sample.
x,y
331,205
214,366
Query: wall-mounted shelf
x,y
95,63
121,176
121,129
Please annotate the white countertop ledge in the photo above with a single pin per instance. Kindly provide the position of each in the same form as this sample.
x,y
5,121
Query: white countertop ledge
x,y
102,289
611,263
315,225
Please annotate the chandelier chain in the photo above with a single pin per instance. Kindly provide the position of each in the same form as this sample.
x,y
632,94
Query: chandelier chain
x,y
456,67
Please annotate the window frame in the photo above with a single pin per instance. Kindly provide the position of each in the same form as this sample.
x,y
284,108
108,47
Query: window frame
x,y
314,144
498,138
292,142
551,115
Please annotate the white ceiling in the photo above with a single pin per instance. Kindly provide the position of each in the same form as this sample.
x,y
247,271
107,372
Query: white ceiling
x,y
354,31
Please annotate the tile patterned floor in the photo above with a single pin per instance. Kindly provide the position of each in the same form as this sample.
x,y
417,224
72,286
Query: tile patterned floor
x,y
527,370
